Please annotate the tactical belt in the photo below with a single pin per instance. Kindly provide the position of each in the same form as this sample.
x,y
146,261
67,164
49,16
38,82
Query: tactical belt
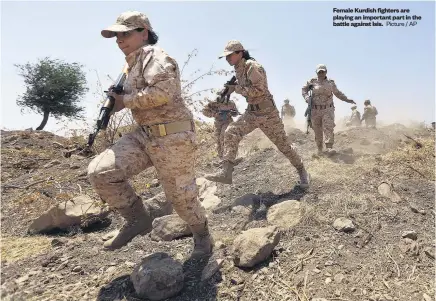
x,y
261,106
322,107
160,130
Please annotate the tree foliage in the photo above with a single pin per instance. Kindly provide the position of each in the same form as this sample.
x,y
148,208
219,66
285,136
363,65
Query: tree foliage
x,y
53,87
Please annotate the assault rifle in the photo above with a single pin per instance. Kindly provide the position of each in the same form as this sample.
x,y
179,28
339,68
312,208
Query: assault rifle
x,y
108,105
224,96
308,113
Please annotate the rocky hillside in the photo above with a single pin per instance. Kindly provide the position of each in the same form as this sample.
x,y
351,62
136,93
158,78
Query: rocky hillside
x,y
363,231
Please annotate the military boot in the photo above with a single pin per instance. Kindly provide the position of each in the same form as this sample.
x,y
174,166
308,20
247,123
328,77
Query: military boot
x,y
224,175
329,149
203,242
304,178
138,222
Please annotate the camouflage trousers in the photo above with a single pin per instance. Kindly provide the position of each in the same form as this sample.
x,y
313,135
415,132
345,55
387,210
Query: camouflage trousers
x,y
370,122
220,129
173,157
323,124
268,120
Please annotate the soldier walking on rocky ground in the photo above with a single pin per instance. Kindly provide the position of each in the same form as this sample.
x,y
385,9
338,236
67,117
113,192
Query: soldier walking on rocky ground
x,y
354,118
369,114
323,109
261,113
165,138
288,113
223,112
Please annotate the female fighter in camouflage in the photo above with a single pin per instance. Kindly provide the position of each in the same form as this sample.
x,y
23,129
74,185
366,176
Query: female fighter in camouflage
x,y
164,138
261,113
323,109
369,114
223,112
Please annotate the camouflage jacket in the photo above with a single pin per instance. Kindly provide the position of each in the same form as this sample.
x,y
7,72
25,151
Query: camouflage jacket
x,y
288,110
252,82
153,88
220,111
323,91
369,112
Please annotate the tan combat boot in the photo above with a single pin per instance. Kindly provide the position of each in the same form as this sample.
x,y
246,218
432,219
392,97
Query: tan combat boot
x,y
203,242
224,175
138,222
304,178
329,149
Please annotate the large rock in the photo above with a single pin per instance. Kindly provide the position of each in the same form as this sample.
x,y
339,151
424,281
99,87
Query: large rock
x,y
344,224
158,277
387,190
158,206
66,214
169,227
285,214
206,192
254,246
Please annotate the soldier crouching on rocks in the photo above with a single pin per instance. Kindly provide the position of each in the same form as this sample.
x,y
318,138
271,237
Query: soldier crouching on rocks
x,y
165,138
223,111
261,113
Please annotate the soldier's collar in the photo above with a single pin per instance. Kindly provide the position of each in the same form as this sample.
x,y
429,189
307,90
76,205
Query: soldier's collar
x,y
132,57
241,64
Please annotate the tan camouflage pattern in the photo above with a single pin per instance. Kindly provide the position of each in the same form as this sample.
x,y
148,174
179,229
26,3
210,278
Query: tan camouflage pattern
x,y
354,118
173,157
127,21
252,82
369,115
288,110
323,120
323,91
152,87
268,120
153,94
223,114
232,46
320,67
323,124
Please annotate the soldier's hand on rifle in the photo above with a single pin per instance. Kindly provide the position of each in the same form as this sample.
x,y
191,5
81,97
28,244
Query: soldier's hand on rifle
x,y
231,88
119,102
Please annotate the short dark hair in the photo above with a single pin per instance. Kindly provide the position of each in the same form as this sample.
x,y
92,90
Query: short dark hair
x,y
152,36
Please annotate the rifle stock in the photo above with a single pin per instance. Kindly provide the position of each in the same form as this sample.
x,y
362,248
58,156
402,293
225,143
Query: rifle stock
x,y
108,105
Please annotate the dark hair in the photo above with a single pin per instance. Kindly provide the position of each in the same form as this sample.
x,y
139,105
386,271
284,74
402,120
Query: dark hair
x,y
246,55
152,36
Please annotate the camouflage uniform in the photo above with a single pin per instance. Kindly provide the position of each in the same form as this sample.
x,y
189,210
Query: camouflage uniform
x,y
288,111
369,114
261,113
164,138
323,109
287,115
354,118
223,112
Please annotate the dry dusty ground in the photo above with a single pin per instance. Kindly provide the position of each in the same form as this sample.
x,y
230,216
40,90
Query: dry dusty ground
x,y
312,260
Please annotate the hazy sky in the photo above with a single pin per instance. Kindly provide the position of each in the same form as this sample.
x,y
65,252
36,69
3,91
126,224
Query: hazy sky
x,y
392,66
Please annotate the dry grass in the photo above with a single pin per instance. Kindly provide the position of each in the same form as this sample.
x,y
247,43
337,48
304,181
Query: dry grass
x,y
420,160
329,172
18,248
